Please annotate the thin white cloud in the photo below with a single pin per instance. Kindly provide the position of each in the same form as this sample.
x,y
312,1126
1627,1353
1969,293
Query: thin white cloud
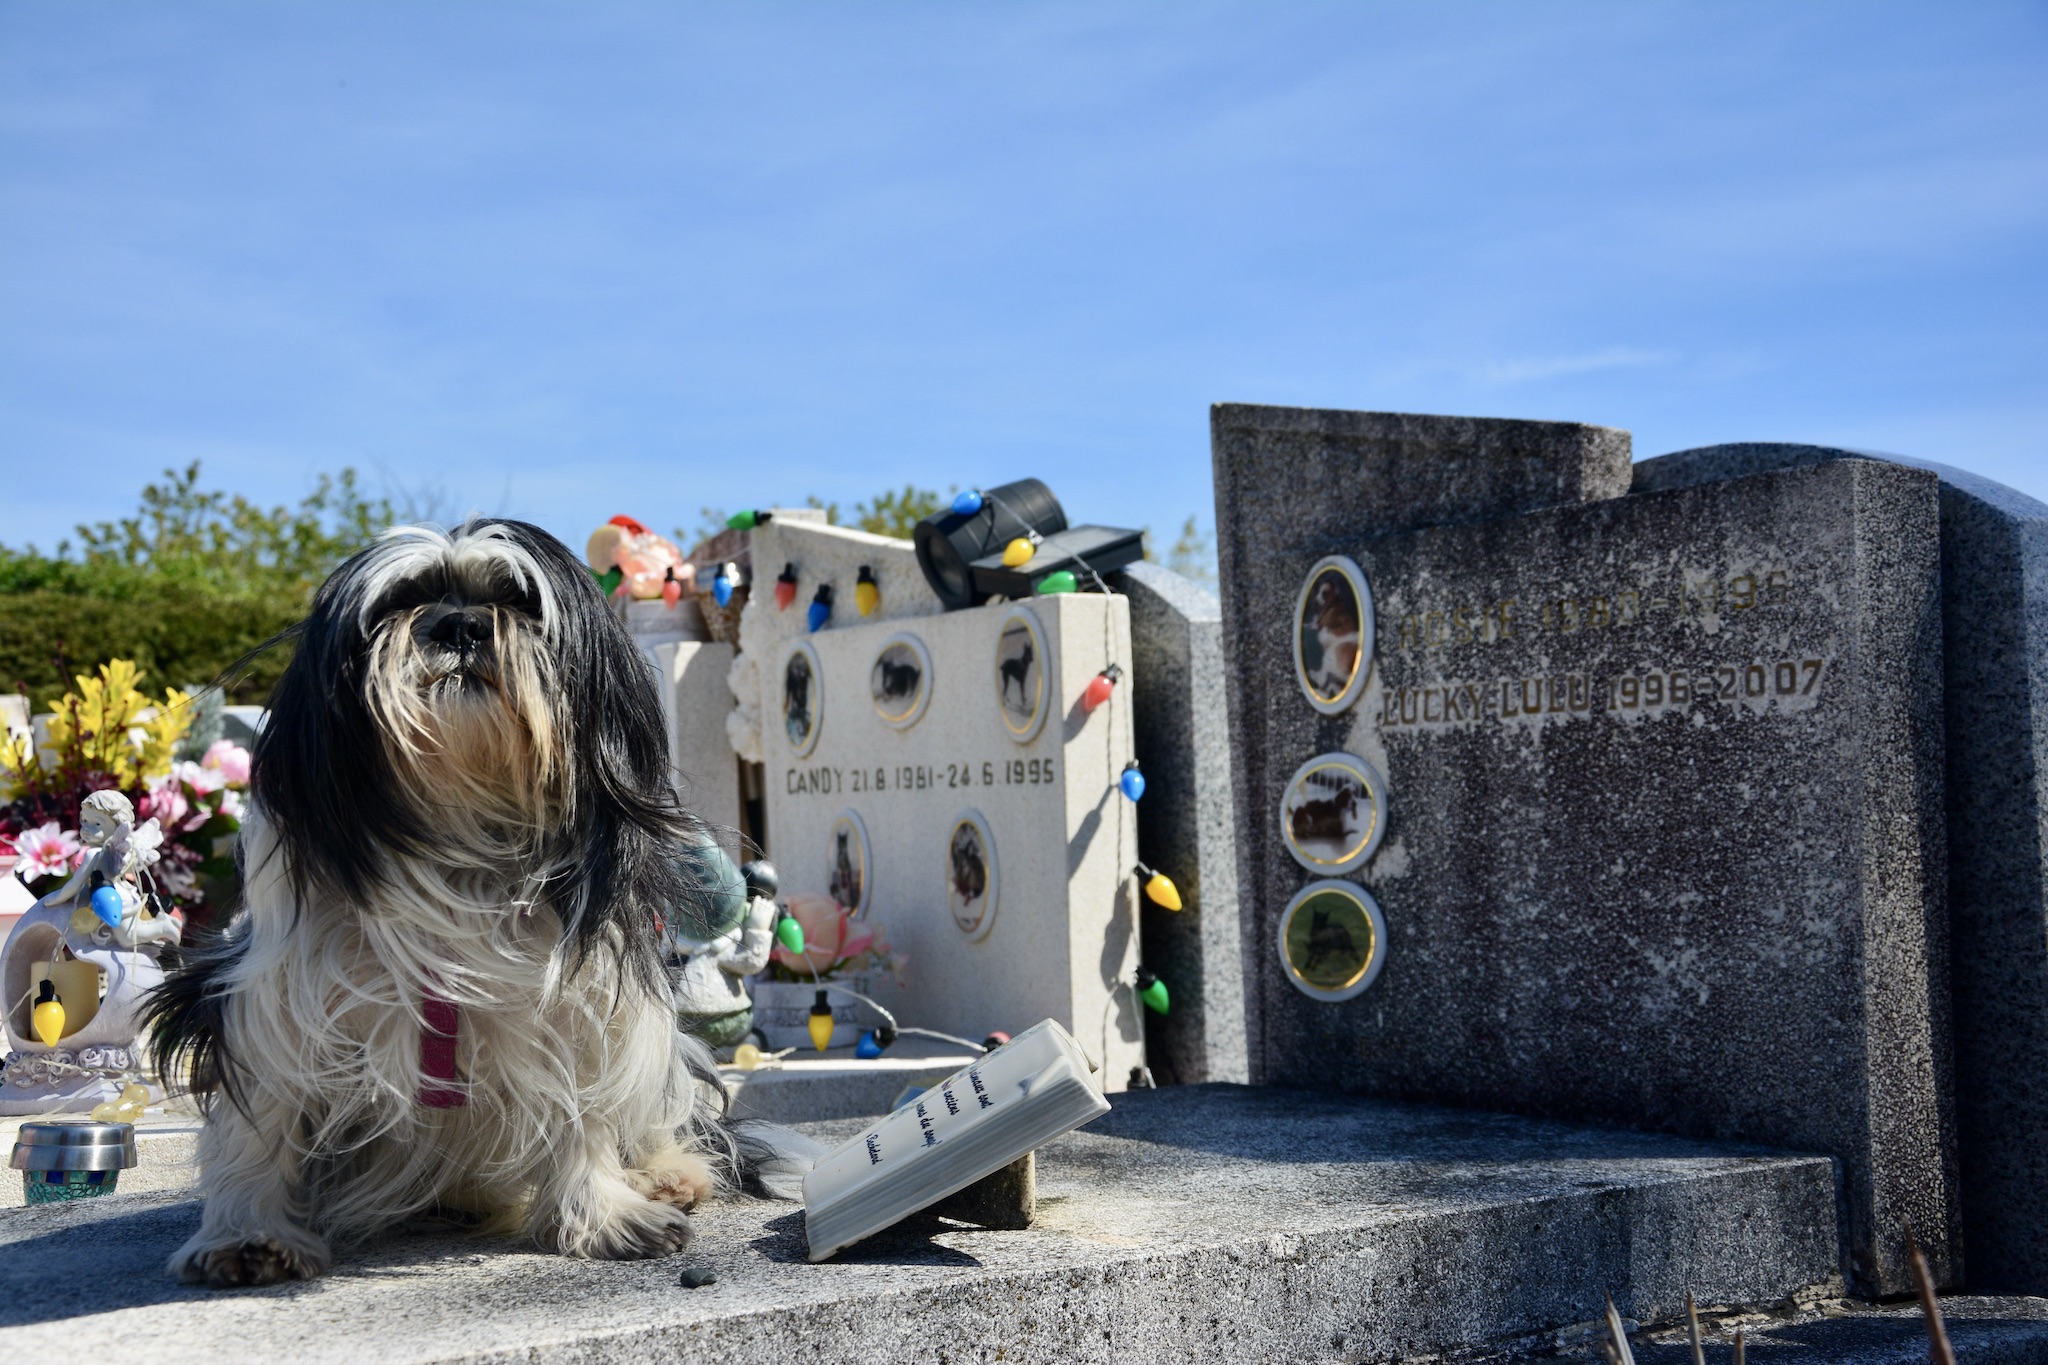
x,y
1532,370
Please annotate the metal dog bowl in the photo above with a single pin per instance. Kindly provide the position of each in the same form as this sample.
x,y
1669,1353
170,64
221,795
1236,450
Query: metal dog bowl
x,y
75,1160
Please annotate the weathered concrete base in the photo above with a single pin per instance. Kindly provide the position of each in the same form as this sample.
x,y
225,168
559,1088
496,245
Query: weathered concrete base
x,y
1196,1223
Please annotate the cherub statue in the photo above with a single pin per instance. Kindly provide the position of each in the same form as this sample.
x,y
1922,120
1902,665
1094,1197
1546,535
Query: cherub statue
x,y
119,853
707,973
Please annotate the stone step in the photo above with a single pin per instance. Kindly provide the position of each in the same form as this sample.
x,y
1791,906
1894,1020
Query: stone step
x,y
809,1086
1205,1223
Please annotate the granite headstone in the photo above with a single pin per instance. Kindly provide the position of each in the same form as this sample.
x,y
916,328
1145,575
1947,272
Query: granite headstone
x,y
1994,607
1652,785
1189,830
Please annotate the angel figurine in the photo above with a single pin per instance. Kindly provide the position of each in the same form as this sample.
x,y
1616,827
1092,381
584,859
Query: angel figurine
x,y
106,888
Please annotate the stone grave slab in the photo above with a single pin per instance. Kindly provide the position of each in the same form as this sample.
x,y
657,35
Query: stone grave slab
x,y
816,556
1661,841
1189,830
695,700
808,1087
1206,1223
938,775
1994,610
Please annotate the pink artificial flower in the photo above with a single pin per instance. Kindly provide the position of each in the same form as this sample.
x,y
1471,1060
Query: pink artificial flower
x,y
202,781
166,801
824,924
230,760
46,850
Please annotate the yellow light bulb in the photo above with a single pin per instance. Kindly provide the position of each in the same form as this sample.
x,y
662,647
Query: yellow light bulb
x,y
48,1020
1018,553
746,1057
866,597
1162,891
821,1021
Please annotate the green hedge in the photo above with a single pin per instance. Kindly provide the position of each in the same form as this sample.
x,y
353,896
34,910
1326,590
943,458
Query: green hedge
x,y
178,635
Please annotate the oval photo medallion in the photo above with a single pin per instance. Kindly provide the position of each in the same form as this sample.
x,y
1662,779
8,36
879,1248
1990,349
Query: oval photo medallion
x,y
1333,634
803,698
846,863
971,874
900,681
1333,940
1334,813
1020,669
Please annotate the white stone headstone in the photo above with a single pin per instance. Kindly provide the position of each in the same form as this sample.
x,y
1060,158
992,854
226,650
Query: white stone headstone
x,y
938,771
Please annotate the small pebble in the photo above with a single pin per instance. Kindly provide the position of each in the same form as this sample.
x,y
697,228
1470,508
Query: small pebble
x,y
696,1277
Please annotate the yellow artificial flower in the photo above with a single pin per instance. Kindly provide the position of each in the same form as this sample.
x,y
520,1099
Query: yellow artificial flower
x,y
108,725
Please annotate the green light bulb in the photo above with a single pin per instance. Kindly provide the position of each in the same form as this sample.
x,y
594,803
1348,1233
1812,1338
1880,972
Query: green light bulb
x,y
789,934
1152,991
1061,580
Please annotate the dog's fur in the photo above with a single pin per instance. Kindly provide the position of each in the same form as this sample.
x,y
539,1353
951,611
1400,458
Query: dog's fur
x,y
462,793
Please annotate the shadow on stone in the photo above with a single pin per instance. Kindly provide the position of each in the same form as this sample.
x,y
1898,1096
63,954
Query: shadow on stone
x,y
84,1267
907,1243
1309,1127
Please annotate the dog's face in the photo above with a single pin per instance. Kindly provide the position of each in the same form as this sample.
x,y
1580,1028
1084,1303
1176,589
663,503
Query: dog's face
x,y
460,640
464,703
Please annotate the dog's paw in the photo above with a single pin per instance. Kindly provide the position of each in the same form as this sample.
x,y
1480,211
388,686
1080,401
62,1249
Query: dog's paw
x,y
242,1265
636,1232
674,1176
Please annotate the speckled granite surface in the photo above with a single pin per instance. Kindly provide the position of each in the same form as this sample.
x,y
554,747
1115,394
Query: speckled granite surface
x,y
1197,1223
1994,606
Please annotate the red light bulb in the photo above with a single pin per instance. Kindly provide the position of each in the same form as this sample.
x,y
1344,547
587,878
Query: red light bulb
x,y
785,587
1099,687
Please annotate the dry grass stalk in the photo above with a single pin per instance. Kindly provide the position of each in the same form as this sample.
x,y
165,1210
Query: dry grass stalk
x,y
1616,1346
1938,1349
1692,1319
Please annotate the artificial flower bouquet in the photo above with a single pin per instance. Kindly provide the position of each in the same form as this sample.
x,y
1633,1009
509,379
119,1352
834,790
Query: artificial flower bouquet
x,y
109,734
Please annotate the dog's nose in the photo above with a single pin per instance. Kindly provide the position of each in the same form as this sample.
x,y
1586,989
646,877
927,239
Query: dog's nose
x,y
462,629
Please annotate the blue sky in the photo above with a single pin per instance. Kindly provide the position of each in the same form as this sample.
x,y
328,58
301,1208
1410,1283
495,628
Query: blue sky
x,y
568,260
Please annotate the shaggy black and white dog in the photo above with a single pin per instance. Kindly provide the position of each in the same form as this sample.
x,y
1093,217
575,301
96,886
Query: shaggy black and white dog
x,y
444,990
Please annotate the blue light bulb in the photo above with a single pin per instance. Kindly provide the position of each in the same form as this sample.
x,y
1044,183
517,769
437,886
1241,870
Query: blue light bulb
x,y
968,503
721,585
867,1049
821,608
106,903
1133,781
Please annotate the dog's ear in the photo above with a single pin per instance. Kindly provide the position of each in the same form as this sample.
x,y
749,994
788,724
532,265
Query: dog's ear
x,y
632,865
327,790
